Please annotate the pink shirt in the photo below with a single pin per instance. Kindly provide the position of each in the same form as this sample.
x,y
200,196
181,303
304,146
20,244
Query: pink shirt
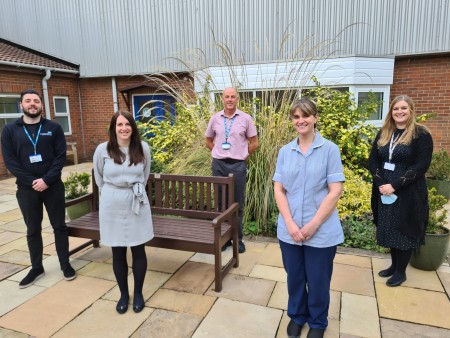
x,y
241,130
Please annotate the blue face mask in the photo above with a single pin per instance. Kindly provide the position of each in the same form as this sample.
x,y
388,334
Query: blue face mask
x,y
388,199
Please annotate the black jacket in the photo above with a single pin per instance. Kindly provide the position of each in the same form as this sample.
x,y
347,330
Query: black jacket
x,y
17,148
411,188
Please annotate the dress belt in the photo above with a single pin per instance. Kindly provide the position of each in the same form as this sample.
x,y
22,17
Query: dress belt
x,y
230,160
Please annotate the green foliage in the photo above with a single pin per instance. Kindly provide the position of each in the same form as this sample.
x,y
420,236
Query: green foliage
x,y
76,185
438,214
440,166
359,232
355,199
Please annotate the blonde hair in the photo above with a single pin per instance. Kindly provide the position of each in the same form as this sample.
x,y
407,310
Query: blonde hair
x,y
412,127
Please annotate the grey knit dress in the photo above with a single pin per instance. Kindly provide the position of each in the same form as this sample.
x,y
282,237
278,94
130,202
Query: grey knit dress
x,y
125,216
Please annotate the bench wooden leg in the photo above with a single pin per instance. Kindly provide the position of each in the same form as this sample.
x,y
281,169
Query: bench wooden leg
x,y
84,245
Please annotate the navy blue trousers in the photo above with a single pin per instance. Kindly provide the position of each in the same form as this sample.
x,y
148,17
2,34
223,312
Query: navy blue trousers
x,y
31,203
309,273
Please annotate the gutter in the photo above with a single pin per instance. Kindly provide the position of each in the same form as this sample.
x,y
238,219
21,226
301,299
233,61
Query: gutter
x,y
48,75
24,65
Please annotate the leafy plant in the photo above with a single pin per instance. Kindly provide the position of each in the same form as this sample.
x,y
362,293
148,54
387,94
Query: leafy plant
x,y
440,166
359,232
76,185
355,199
438,214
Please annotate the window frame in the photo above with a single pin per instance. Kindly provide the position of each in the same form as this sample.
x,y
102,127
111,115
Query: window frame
x,y
67,114
14,115
386,90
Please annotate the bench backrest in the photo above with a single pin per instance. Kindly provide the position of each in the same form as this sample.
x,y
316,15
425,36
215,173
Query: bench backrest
x,y
202,197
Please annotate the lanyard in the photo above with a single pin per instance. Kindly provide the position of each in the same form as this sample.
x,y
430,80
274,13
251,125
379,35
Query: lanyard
x,y
393,144
227,130
34,143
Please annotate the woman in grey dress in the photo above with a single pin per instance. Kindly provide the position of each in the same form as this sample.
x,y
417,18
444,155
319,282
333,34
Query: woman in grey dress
x,y
121,169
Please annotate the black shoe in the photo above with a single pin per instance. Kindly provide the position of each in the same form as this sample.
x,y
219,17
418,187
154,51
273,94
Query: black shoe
x,y
69,273
241,246
32,276
315,333
226,245
386,273
122,305
396,280
294,329
138,303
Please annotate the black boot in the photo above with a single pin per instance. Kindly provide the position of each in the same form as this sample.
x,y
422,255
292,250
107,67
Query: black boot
x,y
399,276
390,270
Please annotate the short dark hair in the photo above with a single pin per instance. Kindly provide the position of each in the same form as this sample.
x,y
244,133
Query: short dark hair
x,y
30,91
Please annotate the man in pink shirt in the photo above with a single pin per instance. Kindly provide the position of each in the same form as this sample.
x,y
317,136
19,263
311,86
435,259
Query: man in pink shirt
x,y
231,136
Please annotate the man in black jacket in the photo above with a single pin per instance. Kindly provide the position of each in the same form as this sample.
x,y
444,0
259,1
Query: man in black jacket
x,y
34,151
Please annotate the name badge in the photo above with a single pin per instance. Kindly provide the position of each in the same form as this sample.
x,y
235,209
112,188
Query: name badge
x,y
389,166
35,158
226,146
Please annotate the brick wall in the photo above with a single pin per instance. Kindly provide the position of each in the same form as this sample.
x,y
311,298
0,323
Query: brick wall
x,y
427,81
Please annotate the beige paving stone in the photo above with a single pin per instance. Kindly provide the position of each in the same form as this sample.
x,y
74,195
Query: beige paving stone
x,y
271,256
209,259
165,260
395,329
11,296
281,332
16,226
165,324
444,277
11,215
361,261
9,236
16,257
18,244
269,272
4,333
7,207
171,300
102,254
427,280
8,269
342,274
192,277
49,311
7,197
359,316
279,297
229,318
153,281
243,288
102,320
247,261
98,270
413,305
47,239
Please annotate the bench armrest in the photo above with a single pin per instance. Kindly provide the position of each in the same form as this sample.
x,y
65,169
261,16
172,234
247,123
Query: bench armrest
x,y
226,215
88,197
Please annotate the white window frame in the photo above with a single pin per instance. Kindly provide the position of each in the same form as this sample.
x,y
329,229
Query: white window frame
x,y
11,116
386,90
67,114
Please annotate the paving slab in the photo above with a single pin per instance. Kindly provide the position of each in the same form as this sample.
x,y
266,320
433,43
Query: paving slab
x,y
99,270
102,320
355,260
53,308
343,273
101,254
12,296
164,324
395,329
359,316
18,244
420,279
152,282
177,301
16,257
413,305
165,260
9,236
248,259
4,207
279,297
243,288
229,318
4,333
11,215
192,277
7,197
271,256
269,272
444,277
8,269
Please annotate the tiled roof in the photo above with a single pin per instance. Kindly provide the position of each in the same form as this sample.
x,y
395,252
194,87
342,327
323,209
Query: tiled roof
x,y
11,52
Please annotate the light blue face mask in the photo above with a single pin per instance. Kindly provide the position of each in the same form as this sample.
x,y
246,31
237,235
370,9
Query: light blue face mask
x,y
388,199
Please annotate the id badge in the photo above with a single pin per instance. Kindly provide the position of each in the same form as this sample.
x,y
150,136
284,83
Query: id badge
x,y
35,158
226,146
389,166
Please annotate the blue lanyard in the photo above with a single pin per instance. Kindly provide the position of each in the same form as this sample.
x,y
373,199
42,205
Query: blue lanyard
x,y
227,130
34,143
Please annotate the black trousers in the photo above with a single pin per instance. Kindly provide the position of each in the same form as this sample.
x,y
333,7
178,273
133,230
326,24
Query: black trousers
x,y
239,171
31,204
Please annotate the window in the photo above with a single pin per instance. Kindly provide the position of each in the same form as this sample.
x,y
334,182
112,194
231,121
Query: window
x,y
9,109
62,113
381,94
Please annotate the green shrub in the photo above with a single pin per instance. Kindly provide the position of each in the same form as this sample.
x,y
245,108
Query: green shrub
x,y
440,166
438,214
360,232
355,199
76,185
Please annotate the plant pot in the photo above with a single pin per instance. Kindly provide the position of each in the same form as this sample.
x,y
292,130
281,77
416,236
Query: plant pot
x,y
78,210
442,187
430,256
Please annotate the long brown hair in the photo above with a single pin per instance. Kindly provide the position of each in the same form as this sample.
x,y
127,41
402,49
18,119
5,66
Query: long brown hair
x,y
135,150
412,127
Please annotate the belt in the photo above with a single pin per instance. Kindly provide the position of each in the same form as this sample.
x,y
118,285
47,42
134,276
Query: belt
x,y
230,160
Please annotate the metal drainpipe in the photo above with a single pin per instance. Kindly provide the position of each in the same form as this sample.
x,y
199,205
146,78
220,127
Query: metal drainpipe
x,y
48,75
114,93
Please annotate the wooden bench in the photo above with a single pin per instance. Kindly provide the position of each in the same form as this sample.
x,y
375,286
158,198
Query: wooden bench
x,y
186,216
72,151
